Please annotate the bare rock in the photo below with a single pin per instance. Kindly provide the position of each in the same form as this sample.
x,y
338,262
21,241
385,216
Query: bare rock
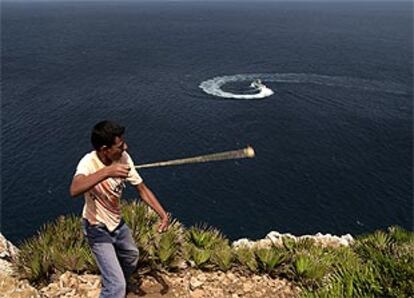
x,y
6,267
263,243
248,287
12,287
72,285
202,277
216,292
8,251
244,242
230,275
195,283
275,238
197,294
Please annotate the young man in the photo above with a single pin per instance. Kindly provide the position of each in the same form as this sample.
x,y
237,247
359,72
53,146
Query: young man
x,y
100,176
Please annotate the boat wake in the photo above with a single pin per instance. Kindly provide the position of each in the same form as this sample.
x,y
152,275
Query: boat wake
x,y
214,86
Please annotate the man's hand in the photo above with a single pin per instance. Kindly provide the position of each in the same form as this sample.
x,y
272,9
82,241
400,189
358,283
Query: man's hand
x,y
163,225
117,170
82,183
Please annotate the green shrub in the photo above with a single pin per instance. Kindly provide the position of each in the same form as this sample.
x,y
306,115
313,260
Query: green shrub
x,y
246,257
269,258
288,243
200,256
310,266
400,235
167,246
378,241
391,255
223,256
359,280
59,246
206,248
141,220
348,277
379,264
204,237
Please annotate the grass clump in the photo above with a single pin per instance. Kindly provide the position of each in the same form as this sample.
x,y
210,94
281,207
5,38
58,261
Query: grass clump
x,y
269,258
207,248
391,254
380,264
246,258
223,256
58,247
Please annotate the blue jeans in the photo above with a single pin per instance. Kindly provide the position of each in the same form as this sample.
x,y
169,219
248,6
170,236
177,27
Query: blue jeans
x,y
116,255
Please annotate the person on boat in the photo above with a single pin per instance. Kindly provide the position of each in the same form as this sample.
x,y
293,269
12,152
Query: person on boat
x,y
257,84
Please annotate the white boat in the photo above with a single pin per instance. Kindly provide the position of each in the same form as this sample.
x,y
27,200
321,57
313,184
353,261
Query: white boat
x,y
257,84
260,89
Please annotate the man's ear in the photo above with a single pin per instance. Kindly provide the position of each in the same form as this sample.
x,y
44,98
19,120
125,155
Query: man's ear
x,y
104,148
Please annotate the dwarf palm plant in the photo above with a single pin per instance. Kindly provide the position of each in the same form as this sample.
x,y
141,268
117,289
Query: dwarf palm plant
x,y
246,257
391,255
304,244
333,290
308,270
310,264
269,258
294,245
167,245
59,246
400,235
358,280
288,243
204,237
73,259
348,276
202,241
142,222
34,262
379,241
200,256
223,256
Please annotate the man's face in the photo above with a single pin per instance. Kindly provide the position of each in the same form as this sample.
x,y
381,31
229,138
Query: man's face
x,y
114,152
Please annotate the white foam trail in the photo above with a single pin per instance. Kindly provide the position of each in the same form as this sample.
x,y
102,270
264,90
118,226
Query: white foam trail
x,y
213,86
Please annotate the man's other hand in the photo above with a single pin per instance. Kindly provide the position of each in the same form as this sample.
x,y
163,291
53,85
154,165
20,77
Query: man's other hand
x,y
163,225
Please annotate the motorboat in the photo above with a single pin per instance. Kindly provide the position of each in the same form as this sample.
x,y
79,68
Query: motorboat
x,y
257,84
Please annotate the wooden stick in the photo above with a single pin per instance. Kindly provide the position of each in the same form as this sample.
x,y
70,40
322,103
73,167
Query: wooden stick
x,y
234,154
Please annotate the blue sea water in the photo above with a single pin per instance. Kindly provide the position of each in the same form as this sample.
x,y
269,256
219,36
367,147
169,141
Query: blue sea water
x,y
333,143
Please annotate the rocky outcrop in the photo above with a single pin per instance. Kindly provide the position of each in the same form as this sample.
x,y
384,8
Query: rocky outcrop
x,y
10,285
191,284
8,253
72,285
276,239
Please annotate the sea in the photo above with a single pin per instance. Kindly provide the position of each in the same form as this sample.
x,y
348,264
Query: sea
x,y
333,143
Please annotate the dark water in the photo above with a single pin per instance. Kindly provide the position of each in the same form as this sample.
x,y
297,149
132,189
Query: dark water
x,y
334,158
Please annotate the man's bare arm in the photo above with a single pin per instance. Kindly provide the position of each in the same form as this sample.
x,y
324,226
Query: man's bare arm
x,y
81,183
147,195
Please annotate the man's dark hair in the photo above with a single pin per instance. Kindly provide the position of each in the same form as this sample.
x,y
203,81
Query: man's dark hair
x,y
104,134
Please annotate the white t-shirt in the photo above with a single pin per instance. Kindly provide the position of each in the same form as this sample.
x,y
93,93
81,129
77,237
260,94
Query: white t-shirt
x,y
102,202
